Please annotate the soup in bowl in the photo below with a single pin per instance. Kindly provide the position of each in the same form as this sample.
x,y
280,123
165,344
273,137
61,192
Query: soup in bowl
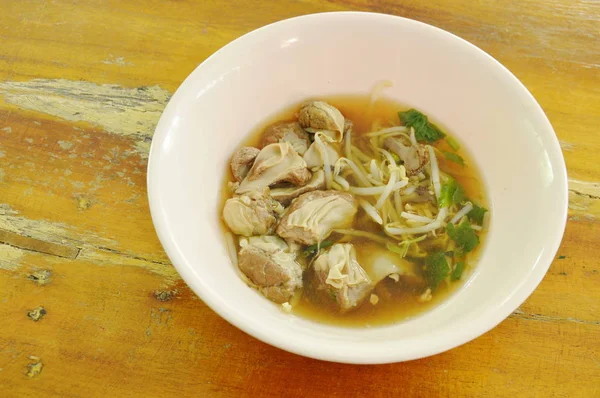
x,y
353,212
512,171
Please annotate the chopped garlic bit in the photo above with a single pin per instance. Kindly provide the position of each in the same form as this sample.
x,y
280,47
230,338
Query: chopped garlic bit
x,y
286,307
395,277
426,296
374,299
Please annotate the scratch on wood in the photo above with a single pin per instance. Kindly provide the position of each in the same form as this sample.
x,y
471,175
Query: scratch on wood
x,y
37,245
103,255
46,231
519,314
584,199
119,110
589,189
566,146
55,239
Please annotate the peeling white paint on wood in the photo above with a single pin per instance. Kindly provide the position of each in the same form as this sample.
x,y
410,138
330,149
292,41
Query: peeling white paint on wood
x,y
118,110
10,257
588,188
112,60
46,230
584,199
94,248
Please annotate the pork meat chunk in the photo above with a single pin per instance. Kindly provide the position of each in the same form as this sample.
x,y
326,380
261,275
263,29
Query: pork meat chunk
x,y
312,216
275,163
242,161
289,132
251,214
270,266
338,273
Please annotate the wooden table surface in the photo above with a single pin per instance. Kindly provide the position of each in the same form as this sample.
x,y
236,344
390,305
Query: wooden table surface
x,y
89,302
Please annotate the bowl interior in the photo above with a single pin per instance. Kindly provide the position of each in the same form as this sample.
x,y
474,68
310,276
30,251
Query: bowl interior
x,y
471,94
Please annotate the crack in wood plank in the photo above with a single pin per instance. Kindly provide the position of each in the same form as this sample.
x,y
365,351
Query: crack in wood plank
x,y
584,200
519,314
59,241
37,245
585,188
131,256
103,255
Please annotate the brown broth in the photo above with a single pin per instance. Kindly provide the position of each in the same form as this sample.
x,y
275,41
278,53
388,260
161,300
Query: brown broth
x,y
398,301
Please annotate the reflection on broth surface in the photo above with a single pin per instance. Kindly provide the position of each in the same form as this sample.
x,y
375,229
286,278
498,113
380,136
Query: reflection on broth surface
x,y
353,212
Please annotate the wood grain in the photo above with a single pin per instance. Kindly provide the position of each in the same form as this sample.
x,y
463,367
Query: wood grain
x,y
82,85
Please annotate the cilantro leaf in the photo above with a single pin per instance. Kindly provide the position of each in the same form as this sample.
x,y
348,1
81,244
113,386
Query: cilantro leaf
x,y
424,130
457,271
436,269
313,249
453,157
450,193
476,214
465,237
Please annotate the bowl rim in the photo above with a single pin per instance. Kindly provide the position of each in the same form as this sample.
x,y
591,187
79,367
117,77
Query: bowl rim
x,y
476,329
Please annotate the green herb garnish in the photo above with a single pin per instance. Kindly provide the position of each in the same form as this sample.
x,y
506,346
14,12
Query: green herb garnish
x,y
465,237
453,157
313,249
424,130
436,269
457,271
452,142
476,214
451,193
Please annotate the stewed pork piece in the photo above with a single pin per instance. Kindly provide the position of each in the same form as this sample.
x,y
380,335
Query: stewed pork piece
x,y
242,160
251,214
274,164
271,266
338,273
314,215
289,132
319,116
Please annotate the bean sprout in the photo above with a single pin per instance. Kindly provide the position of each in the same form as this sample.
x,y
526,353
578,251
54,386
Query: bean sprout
x,y
435,172
415,217
463,212
371,211
388,190
437,223
376,190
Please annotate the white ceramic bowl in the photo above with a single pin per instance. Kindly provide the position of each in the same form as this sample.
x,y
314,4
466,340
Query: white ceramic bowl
x,y
465,89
